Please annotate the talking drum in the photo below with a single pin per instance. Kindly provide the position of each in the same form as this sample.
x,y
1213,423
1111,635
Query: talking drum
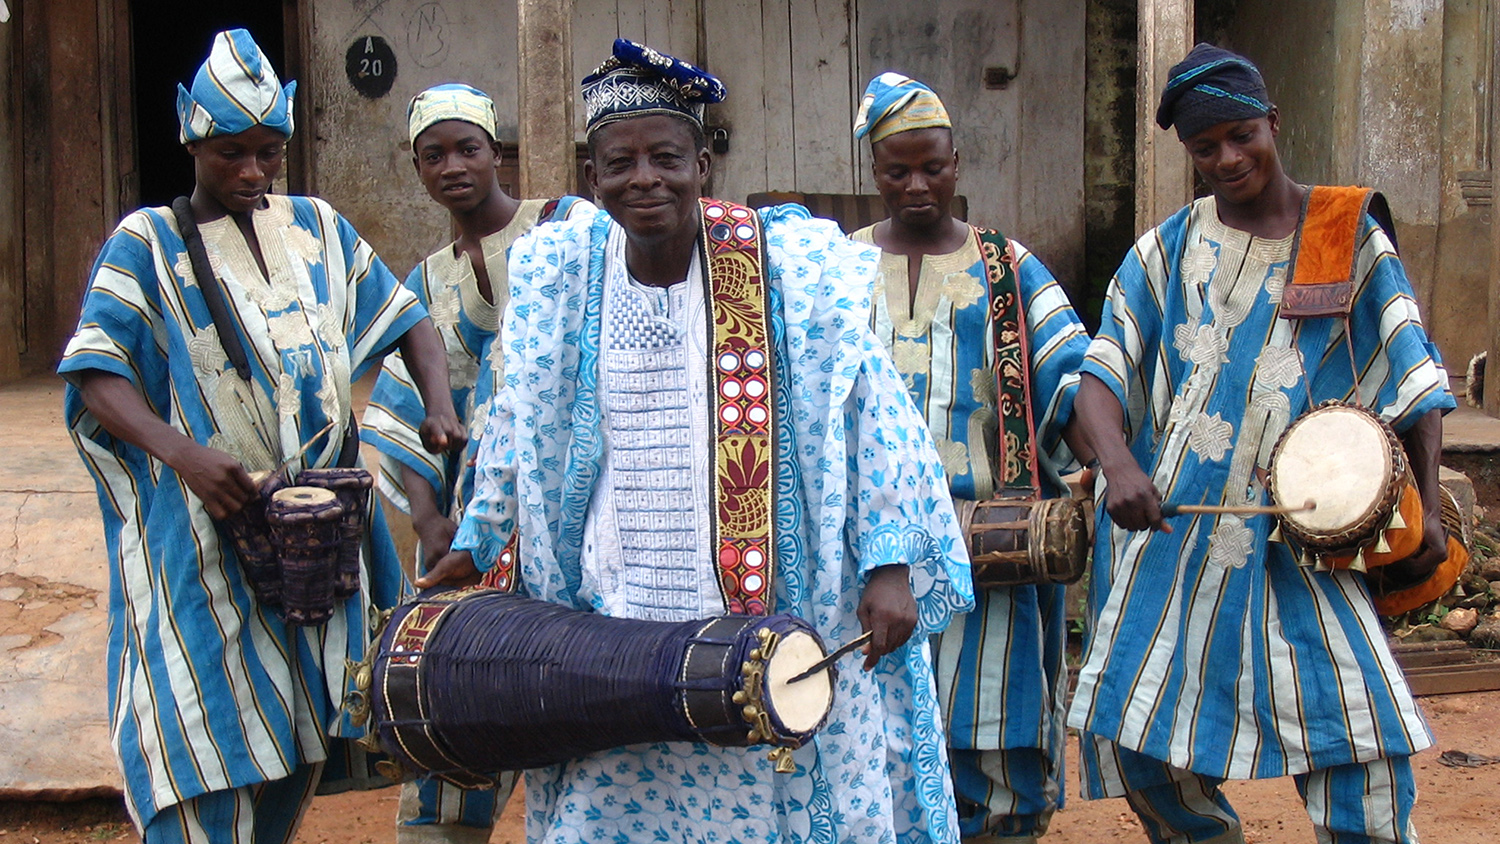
x,y
469,683
305,527
250,535
1015,541
1368,511
352,486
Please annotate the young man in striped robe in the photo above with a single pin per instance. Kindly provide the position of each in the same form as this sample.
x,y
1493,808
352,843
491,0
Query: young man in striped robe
x,y
465,287
951,303
1215,652
221,713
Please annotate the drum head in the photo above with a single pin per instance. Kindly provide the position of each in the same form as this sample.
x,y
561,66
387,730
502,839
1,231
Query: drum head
x,y
304,496
801,706
1339,458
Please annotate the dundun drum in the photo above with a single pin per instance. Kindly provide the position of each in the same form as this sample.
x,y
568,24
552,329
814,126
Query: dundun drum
x,y
305,527
468,683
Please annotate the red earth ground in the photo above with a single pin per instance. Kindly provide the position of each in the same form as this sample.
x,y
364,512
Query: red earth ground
x,y
1455,804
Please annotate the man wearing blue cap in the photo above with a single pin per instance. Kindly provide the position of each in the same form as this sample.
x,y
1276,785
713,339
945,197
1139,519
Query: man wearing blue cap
x,y
1216,651
990,348
464,287
222,715
696,419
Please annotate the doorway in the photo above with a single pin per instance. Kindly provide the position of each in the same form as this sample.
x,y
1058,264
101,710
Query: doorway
x,y
171,38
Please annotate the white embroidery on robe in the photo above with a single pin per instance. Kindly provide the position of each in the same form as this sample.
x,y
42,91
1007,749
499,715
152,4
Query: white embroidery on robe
x,y
445,306
206,352
1275,284
1209,436
1231,543
290,330
1199,262
910,356
1204,346
1278,367
962,289
287,396
955,456
184,266
304,244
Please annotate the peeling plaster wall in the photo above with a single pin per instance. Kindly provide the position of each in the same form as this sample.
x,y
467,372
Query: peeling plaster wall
x,y
1386,93
361,156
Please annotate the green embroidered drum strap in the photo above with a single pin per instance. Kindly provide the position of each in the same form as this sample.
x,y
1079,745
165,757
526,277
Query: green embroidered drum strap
x,y
1016,468
741,377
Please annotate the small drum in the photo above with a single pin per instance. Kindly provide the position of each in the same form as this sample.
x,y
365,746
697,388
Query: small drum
x,y
1016,541
305,525
250,536
1348,462
468,683
1395,595
352,486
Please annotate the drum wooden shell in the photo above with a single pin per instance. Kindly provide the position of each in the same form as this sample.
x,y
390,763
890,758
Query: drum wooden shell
x,y
468,683
1350,463
250,536
305,525
1014,541
352,486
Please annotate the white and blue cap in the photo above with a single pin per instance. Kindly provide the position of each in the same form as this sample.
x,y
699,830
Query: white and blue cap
x,y
637,81
233,91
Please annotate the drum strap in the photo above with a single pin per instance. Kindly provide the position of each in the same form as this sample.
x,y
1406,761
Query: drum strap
x,y
742,379
218,308
1324,256
1017,457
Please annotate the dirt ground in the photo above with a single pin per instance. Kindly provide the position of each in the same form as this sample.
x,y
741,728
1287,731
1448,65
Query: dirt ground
x,y
1455,804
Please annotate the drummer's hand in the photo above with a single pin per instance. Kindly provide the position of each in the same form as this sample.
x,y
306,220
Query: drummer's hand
x,y
1433,552
887,607
454,569
436,534
216,478
442,432
1132,500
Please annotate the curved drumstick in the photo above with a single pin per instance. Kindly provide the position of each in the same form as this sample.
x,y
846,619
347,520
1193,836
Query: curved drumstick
x,y
822,664
1170,510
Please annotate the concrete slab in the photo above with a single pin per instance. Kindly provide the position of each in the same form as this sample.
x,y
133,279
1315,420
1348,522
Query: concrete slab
x,y
1469,429
54,585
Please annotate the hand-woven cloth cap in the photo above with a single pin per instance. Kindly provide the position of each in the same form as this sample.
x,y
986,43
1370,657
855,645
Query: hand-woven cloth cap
x,y
637,81
1209,87
234,90
450,101
894,103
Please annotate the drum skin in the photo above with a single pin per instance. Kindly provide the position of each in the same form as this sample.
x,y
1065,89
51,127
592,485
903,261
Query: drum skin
x,y
472,682
1351,464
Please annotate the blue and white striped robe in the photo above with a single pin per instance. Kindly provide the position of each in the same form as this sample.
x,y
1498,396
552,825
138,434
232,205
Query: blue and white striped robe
x,y
208,690
1211,648
998,667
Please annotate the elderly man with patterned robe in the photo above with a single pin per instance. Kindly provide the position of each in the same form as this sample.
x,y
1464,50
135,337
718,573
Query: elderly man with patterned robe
x,y
696,419
1215,651
221,713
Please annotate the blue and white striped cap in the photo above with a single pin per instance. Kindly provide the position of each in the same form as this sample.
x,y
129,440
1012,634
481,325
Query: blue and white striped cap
x,y
233,91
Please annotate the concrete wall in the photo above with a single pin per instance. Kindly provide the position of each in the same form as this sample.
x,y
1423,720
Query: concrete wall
x,y
1390,94
12,271
1109,148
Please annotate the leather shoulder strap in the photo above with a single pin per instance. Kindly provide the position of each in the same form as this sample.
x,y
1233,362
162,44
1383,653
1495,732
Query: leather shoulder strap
x,y
1321,279
208,284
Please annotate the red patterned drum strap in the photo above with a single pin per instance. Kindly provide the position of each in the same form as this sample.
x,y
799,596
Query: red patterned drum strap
x,y
744,388
503,576
1018,468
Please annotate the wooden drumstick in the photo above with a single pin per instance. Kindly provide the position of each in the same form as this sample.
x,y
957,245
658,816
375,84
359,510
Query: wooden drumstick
x,y
303,450
1170,510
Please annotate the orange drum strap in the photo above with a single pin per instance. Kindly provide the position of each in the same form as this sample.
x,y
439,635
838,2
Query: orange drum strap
x,y
1327,240
1017,458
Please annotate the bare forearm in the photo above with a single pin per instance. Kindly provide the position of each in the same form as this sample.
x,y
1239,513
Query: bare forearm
x,y
1424,448
419,495
427,361
123,412
1098,424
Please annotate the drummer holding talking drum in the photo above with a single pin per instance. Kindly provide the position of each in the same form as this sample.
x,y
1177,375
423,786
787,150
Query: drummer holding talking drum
x,y
1237,643
198,360
697,421
989,347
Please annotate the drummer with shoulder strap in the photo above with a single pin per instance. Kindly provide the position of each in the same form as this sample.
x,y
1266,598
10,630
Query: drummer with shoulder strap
x,y
989,348
1227,641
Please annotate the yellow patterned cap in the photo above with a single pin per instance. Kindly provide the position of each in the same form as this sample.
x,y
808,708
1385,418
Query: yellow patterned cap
x,y
894,103
450,101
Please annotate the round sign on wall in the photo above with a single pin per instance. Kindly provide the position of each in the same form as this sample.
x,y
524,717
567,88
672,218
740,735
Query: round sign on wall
x,y
371,66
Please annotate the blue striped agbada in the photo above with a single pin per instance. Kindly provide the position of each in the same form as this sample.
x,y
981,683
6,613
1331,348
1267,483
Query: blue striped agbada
x,y
208,689
998,667
1210,647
